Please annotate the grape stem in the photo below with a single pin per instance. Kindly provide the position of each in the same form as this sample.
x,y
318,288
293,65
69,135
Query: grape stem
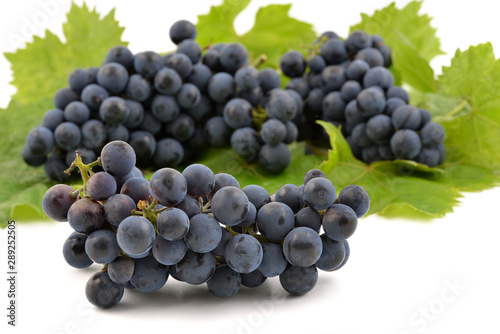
x,y
259,61
85,171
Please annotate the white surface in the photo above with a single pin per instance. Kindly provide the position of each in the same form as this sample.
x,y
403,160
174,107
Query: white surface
x,y
397,280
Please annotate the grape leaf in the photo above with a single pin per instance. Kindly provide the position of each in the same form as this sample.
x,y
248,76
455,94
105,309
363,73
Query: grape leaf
x,y
225,160
39,70
273,33
43,66
412,39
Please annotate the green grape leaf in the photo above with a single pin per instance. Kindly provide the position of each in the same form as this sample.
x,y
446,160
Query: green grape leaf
x,y
43,66
412,39
40,70
226,160
273,33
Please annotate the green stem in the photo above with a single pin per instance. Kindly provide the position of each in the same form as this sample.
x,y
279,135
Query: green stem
x,y
259,61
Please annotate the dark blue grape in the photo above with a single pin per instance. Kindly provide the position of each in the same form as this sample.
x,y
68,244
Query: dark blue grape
x,y
138,88
357,41
93,134
147,63
370,154
54,168
350,90
314,100
378,76
182,30
238,113
168,186
300,86
217,132
273,261
405,144
117,208
245,142
121,269
67,135
196,268
121,55
333,77
406,117
173,224
200,180
113,77
308,217
86,215
118,158
165,108
333,254
168,252
78,79
181,63
281,105
135,236
150,123
293,64
243,253
428,156
275,220
32,160
181,128
137,188
74,251
52,118
333,52
149,275
188,96
356,198
372,56
253,279
93,95
201,112
204,233
385,152
191,49
379,129
190,206
225,282
292,133
102,292
302,247
247,78
339,222
101,246
316,64
167,81
298,281
257,195
230,205
333,107
313,173
275,158
221,87
250,216
200,76
432,134
101,185
291,195
233,56
269,79
273,132
397,91
64,96
425,116
40,141
371,101
118,132
392,104
319,193
357,70
169,152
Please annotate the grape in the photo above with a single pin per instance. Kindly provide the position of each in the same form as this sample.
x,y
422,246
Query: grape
x,y
379,129
93,95
238,113
138,88
233,56
190,206
357,41
86,215
101,246
149,275
147,63
200,76
54,168
169,152
253,279
308,217
168,252
333,77
226,236
291,195
302,247
57,201
221,87
432,134
247,78
121,55
257,195
385,152
316,64
428,156
188,96
67,136
173,224
314,100
405,144
64,96
339,222
399,92
144,144
225,282
406,117
353,114
201,112
101,185
182,128
121,269
356,198
165,108
333,254
370,154
378,76
357,69
333,52
200,180
211,59
168,186
292,133
273,132
333,107
135,236
76,112
93,134
223,180
118,207
182,30
151,124
293,64
275,220
350,90
217,132
313,173
372,56
245,142
275,158
250,216
392,104
118,158
442,153
230,205
191,49
167,81
78,79
32,160
52,118
204,233
269,79
196,268
298,281
181,63
40,141
118,132
371,101
425,116
243,253
319,193
102,292
273,261
282,106
113,77
74,251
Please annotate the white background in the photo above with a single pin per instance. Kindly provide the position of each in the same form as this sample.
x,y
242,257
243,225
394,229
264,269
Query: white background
x,y
438,276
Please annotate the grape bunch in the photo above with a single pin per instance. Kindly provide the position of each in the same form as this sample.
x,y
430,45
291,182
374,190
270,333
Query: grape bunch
x,y
168,108
346,82
200,227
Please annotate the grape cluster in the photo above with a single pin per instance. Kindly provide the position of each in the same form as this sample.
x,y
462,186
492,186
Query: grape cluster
x,y
347,82
200,228
168,108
